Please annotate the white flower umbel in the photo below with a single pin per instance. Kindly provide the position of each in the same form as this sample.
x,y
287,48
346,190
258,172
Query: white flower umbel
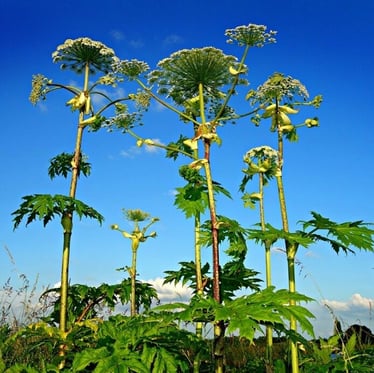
x,y
76,54
251,35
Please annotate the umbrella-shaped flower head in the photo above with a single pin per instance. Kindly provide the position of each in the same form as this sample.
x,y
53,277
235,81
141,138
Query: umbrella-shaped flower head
x,y
180,75
262,159
280,87
251,35
78,53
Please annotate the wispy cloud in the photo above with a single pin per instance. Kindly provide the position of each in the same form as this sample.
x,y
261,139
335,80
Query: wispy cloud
x,y
131,152
134,150
117,35
172,39
42,107
158,107
113,93
154,149
136,43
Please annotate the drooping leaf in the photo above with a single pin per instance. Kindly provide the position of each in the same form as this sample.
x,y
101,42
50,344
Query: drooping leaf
x,y
45,207
229,231
341,236
186,274
271,234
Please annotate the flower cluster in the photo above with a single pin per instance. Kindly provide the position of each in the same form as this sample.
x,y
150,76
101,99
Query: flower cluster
x,y
261,152
123,120
142,99
79,53
136,215
108,79
251,35
39,88
262,159
132,69
280,87
180,75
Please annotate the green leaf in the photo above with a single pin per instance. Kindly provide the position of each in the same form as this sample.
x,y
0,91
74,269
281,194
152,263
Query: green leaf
x,y
45,207
351,344
249,201
191,199
344,235
272,234
61,165
89,356
186,274
267,306
174,149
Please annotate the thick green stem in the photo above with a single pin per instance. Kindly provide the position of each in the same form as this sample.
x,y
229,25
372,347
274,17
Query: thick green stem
x,y
75,164
269,329
290,248
214,227
219,327
199,278
133,308
64,278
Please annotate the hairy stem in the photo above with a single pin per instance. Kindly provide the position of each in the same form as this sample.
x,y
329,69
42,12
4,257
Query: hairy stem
x,y
290,248
75,164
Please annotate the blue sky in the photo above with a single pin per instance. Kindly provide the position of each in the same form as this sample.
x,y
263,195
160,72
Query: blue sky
x,y
325,44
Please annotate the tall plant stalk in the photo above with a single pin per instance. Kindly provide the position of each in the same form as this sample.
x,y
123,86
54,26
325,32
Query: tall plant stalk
x,y
262,161
276,89
67,221
193,79
86,56
291,248
136,236
267,244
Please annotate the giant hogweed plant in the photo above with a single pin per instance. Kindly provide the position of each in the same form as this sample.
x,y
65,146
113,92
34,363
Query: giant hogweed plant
x,y
83,56
281,96
261,162
137,236
200,83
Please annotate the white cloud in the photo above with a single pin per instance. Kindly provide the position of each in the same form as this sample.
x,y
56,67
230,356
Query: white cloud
x,y
336,305
170,292
153,149
356,310
356,301
359,301
173,192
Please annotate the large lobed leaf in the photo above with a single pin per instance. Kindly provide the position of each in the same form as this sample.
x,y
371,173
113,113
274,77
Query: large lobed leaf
x,y
356,234
46,206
